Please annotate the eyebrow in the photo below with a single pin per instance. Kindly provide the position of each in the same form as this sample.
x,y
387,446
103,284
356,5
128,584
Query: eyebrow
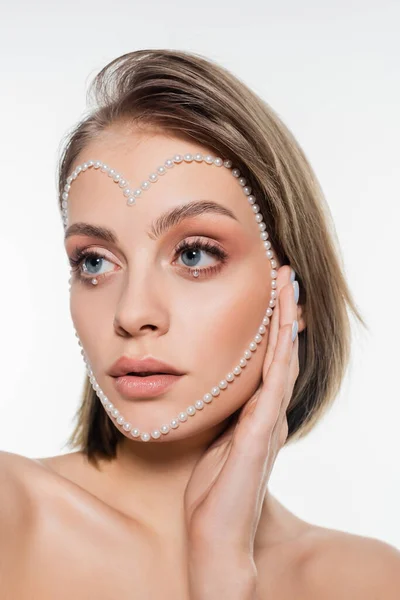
x,y
159,226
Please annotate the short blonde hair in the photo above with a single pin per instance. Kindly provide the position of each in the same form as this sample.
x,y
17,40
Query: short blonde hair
x,y
195,99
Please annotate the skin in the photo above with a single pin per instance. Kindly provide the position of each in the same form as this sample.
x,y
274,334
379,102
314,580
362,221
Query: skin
x,y
128,529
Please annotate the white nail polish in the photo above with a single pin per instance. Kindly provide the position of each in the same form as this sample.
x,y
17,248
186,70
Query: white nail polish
x,y
292,274
295,328
296,291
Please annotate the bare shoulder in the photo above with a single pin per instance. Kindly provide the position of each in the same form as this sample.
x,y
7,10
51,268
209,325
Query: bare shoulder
x,y
327,564
14,477
22,483
16,510
337,564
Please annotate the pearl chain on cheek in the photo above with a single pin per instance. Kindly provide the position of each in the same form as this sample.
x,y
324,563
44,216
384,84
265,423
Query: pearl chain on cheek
x,y
131,195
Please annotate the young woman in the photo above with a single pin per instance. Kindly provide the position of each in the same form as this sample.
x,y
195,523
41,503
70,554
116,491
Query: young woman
x,y
208,298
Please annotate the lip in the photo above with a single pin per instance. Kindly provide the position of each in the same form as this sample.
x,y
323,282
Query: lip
x,y
126,364
132,386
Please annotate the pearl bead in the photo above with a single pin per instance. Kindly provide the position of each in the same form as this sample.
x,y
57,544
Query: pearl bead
x,y
215,391
223,384
182,416
115,412
218,162
145,436
237,370
161,170
164,429
155,434
188,157
242,362
199,404
135,432
236,172
268,312
230,377
153,177
207,398
127,426
258,338
174,423
191,410
247,354
198,157
178,158
253,346
120,420
266,320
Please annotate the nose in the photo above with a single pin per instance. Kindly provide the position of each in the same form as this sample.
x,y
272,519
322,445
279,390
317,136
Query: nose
x,y
141,307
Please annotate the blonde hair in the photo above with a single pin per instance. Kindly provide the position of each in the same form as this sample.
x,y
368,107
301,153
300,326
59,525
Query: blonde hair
x,y
195,99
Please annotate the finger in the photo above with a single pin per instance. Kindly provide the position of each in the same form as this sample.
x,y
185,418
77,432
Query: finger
x,y
274,324
281,428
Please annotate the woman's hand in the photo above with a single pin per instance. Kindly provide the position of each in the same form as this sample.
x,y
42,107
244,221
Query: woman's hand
x,y
224,496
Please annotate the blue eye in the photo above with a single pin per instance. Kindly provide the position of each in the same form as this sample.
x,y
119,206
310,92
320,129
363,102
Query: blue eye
x,y
194,248
81,257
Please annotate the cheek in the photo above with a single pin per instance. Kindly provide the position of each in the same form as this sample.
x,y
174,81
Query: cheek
x,y
219,329
91,320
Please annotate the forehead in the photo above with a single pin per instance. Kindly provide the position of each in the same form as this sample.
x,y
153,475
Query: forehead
x,y
135,155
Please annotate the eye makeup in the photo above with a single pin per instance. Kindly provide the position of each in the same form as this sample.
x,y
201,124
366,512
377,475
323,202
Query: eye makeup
x,y
78,258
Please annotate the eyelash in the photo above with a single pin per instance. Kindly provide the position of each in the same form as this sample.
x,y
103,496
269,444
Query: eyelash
x,y
197,244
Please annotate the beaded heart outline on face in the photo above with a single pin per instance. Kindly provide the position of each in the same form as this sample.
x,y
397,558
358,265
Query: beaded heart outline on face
x,y
131,195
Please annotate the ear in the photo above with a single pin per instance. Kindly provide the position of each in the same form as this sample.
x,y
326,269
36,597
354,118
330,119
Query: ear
x,y
301,317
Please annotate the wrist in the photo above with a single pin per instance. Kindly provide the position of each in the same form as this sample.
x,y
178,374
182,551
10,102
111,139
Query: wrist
x,y
222,574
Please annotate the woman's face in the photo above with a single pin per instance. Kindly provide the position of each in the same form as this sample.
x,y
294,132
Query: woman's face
x,y
146,301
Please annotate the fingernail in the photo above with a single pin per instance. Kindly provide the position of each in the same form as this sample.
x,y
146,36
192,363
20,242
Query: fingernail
x,y
292,274
295,328
295,285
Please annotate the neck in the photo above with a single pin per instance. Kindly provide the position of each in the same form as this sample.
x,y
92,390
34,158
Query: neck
x,y
149,479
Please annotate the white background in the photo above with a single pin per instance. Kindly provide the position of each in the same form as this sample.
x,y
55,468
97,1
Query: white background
x,y
331,71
